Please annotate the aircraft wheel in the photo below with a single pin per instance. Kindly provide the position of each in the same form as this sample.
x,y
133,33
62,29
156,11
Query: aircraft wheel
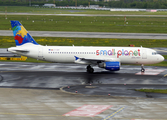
x,y
142,70
90,69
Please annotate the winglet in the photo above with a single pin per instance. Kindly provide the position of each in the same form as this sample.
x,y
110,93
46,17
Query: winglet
x,y
76,58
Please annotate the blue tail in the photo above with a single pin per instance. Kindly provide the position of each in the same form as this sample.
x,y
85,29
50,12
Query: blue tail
x,y
21,35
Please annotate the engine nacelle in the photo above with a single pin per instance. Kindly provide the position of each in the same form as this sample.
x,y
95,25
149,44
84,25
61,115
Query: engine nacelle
x,y
112,66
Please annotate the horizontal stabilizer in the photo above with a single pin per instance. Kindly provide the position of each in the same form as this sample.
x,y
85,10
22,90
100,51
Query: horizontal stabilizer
x,y
22,50
15,49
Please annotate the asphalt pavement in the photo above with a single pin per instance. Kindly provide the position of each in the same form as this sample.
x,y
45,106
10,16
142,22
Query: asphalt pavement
x,y
47,91
90,34
56,76
84,15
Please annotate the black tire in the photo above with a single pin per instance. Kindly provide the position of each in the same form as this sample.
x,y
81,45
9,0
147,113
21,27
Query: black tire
x,y
91,70
88,67
1,78
142,70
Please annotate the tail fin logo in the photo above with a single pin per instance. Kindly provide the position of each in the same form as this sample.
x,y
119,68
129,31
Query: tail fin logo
x,y
19,39
21,36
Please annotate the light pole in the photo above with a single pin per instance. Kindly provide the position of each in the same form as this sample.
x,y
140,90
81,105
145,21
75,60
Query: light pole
x,y
75,3
29,2
6,13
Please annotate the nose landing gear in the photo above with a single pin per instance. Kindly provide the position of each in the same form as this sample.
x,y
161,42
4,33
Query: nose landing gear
x,y
142,68
90,69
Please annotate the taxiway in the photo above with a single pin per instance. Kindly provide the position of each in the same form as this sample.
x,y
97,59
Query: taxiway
x,y
48,91
90,34
84,15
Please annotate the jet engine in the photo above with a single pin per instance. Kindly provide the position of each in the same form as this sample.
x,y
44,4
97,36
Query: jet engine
x,y
112,66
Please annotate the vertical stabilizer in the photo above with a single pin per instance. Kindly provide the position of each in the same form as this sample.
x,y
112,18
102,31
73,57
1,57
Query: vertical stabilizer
x,y
21,35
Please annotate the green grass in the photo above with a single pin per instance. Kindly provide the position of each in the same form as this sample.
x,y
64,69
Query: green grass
x,y
165,56
88,23
152,90
40,10
28,60
8,41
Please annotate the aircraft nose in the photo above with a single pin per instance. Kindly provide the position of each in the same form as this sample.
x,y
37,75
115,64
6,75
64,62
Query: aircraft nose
x,y
161,58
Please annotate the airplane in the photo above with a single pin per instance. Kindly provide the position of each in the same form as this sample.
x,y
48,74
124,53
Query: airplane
x,y
109,58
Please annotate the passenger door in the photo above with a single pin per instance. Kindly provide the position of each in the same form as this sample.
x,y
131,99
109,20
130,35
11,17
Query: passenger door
x,y
40,53
144,54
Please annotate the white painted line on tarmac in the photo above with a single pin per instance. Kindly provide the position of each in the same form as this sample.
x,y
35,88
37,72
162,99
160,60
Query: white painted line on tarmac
x,y
150,72
88,110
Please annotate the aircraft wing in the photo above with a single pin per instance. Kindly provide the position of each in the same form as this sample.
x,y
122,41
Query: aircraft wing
x,y
93,60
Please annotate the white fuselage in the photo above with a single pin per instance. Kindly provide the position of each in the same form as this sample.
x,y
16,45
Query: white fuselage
x,y
66,54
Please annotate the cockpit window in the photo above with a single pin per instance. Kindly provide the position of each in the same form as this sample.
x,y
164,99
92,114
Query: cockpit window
x,y
154,53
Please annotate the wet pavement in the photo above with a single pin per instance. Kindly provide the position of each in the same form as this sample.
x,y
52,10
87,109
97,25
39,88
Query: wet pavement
x,y
124,90
55,76
47,91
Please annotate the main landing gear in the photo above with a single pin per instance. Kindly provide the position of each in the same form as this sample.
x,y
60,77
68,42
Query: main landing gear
x,y
142,68
90,69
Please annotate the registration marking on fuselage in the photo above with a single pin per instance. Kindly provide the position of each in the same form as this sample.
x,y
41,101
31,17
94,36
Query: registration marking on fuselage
x,y
150,72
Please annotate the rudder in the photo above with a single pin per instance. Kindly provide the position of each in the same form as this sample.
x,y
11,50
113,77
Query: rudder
x,y
21,35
